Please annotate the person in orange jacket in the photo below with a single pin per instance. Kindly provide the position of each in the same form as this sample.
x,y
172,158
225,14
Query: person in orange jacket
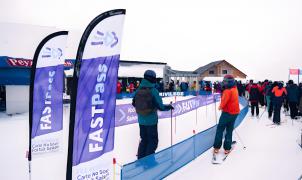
x,y
230,110
279,93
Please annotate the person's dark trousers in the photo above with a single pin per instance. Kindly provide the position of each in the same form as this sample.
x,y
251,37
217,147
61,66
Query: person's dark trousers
x,y
277,109
286,105
253,106
261,100
226,122
293,109
270,109
149,140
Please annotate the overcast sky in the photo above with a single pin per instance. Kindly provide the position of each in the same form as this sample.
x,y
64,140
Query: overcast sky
x,y
263,38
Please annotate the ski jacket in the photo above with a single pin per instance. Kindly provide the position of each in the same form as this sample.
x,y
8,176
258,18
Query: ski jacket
x,y
152,118
254,93
119,87
293,93
278,94
230,101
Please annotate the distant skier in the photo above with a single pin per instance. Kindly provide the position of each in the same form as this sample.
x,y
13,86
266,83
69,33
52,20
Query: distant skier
x,y
230,110
146,102
293,98
278,98
254,98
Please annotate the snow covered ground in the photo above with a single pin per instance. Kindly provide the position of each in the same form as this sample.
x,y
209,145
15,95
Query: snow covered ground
x,y
271,153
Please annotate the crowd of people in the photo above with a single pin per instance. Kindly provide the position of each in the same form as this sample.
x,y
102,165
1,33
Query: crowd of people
x,y
271,95
171,86
274,95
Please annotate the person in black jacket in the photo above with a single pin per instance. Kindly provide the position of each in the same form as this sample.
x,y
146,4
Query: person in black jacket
x,y
293,98
254,98
272,97
240,88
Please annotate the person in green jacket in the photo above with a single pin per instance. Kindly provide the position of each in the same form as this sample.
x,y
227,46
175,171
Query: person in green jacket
x,y
146,102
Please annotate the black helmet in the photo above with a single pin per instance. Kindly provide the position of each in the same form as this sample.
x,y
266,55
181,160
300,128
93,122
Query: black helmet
x,y
150,75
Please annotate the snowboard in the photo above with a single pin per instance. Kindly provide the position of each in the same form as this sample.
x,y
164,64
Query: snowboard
x,y
219,158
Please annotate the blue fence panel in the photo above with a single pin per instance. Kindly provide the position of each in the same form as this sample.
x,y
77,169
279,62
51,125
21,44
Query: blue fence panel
x,y
159,165
204,140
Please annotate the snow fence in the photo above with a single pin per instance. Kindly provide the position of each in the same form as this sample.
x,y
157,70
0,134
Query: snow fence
x,y
165,162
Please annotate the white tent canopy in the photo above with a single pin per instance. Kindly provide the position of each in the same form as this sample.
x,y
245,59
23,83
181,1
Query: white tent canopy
x,y
137,69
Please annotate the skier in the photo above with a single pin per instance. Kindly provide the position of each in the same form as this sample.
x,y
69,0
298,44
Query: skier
x,y
146,102
279,94
254,98
230,110
293,98
267,94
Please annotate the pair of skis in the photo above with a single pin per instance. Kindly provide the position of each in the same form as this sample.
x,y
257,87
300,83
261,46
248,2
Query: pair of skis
x,y
219,158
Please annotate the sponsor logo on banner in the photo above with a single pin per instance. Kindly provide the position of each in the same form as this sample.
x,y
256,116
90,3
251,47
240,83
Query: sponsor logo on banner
x,y
108,39
54,53
27,63
15,62
168,94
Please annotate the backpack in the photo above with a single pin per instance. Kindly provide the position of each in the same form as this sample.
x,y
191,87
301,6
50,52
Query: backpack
x,y
254,94
143,101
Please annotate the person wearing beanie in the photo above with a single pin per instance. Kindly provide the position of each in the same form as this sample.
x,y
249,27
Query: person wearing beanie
x,y
230,109
146,102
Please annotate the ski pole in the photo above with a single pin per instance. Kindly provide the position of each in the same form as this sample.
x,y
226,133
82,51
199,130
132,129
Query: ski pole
x,y
244,147
171,125
215,109
175,118
262,113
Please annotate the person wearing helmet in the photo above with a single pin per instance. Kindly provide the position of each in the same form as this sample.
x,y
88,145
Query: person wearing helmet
x,y
230,109
146,102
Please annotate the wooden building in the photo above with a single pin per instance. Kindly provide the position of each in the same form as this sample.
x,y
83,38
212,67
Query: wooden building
x,y
219,69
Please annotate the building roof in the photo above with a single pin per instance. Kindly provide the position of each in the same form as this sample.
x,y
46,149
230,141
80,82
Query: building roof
x,y
203,69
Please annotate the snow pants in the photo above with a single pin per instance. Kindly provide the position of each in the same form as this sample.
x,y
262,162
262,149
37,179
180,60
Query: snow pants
x,y
255,105
293,107
149,140
277,109
226,122
268,102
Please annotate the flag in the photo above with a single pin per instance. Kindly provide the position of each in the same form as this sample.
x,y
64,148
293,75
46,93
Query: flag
x,y
92,114
46,96
293,71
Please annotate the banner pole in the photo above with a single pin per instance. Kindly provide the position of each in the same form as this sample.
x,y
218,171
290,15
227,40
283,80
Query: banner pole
x,y
298,75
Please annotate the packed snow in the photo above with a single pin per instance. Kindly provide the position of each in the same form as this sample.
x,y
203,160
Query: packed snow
x,y
271,153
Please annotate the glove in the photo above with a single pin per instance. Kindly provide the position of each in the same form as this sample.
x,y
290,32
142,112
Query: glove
x,y
170,107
